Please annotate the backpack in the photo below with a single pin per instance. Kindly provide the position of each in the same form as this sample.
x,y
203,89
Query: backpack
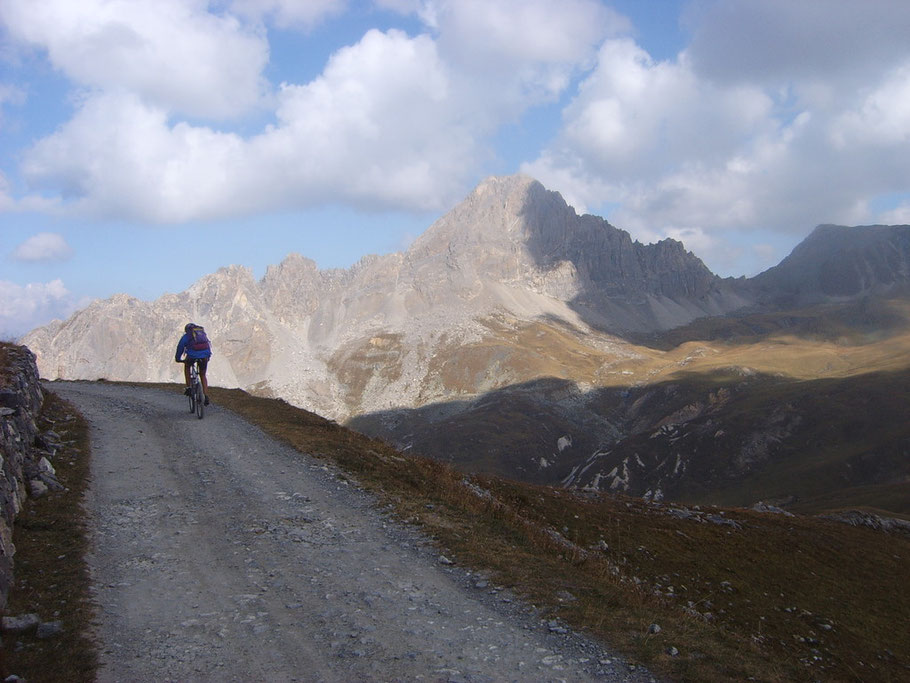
x,y
198,341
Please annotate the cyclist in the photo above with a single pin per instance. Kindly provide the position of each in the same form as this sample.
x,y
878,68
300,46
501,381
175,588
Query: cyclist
x,y
195,344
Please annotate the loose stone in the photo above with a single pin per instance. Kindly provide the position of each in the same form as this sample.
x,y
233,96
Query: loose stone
x,y
49,629
20,624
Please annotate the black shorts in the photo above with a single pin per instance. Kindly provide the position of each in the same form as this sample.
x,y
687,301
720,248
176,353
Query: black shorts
x,y
201,363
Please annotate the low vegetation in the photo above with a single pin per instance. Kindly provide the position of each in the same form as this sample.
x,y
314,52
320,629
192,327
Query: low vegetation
x,y
51,576
737,594
700,594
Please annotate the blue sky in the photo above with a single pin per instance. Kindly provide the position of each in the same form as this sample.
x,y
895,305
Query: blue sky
x,y
145,143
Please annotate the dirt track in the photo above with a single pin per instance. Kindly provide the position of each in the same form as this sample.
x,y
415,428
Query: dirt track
x,y
219,554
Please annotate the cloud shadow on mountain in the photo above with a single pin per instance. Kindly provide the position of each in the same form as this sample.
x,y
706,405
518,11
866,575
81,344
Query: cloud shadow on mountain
x,y
732,438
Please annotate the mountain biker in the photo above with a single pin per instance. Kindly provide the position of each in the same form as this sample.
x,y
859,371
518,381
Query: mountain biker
x,y
198,350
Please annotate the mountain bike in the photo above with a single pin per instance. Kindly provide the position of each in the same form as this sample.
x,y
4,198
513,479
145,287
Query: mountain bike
x,y
196,396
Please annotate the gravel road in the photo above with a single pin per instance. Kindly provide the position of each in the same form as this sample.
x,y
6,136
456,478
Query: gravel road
x,y
220,554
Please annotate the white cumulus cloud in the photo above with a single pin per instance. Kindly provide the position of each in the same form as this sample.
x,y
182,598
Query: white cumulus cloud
x,y
381,126
737,134
526,32
120,157
170,53
516,53
392,121
45,246
777,116
22,308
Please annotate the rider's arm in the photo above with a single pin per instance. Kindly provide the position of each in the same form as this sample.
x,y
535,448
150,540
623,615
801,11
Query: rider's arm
x,y
181,347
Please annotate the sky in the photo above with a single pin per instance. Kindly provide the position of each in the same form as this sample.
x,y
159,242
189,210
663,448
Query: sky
x,y
146,143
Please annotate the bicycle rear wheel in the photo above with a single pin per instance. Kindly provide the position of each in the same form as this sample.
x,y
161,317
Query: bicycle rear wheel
x,y
200,399
192,397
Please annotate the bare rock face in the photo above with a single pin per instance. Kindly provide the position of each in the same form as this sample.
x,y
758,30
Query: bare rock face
x,y
377,334
839,262
463,311
512,231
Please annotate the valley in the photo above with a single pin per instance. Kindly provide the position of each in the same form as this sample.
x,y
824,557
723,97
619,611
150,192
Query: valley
x,y
803,405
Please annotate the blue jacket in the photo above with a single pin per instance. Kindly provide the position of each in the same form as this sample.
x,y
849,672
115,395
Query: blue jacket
x,y
181,348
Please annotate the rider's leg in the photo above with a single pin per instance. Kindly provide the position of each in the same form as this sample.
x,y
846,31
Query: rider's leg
x,y
203,367
186,376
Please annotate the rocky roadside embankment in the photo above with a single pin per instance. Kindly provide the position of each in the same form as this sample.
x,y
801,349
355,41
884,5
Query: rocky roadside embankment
x,y
26,453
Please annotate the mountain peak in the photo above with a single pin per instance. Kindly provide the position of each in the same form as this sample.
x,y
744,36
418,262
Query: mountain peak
x,y
503,215
508,185
840,261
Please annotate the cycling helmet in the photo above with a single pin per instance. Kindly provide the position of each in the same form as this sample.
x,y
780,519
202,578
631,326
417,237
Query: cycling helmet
x,y
188,327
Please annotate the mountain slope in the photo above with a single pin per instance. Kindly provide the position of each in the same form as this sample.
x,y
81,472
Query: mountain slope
x,y
495,338
347,341
732,436
837,262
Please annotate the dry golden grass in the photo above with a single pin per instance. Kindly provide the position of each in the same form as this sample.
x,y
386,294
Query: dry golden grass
x,y
775,598
795,344
514,351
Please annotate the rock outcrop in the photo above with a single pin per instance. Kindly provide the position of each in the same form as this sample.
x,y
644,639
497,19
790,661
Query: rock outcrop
x,y
891,525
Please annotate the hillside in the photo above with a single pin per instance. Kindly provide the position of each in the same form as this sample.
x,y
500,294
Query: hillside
x,y
691,593
840,262
808,409
344,342
517,337
735,593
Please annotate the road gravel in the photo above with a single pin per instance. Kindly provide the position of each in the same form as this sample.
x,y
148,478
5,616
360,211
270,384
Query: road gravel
x,y
219,554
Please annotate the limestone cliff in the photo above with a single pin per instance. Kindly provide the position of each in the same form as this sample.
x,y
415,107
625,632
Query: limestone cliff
x,y
375,335
459,313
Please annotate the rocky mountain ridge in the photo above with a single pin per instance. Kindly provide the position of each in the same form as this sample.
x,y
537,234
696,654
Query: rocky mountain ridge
x,y
511,249
837,262
509,317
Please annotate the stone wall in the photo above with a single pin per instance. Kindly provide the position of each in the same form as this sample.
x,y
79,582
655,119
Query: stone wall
x,y
22,448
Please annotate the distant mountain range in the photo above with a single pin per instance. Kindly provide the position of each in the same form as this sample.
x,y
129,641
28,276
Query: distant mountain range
x,y
517,337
